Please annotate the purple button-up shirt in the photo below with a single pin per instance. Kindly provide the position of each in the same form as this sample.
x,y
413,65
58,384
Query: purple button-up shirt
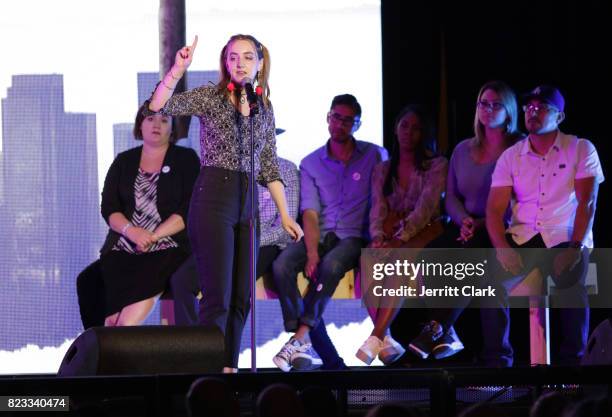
x,y
339,192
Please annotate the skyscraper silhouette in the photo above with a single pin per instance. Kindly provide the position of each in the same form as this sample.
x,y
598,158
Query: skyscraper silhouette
x,y
1,181
123,138
50,217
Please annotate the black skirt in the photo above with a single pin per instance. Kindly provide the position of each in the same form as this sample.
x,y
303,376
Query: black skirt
x,y
129,278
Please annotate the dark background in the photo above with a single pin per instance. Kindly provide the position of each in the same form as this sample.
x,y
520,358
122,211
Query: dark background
x,y
525,43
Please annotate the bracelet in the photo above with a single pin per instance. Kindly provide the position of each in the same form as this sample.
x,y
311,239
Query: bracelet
x,y
124,228
164,84
172,74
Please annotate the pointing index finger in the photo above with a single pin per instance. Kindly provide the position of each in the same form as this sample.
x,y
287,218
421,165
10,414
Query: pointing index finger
x,y
194,44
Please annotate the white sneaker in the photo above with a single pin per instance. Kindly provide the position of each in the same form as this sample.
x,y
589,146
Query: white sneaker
x,y
369,350
391,351
283,358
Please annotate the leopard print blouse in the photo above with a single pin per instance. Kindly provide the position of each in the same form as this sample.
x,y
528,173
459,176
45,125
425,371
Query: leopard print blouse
x,y
225,132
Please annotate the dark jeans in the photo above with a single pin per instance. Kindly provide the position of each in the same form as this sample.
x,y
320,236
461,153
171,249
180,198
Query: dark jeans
x,y
337,257
497,350
183,286
448,316
218,229
320,339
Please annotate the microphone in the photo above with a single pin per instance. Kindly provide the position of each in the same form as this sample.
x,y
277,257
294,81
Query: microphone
x,y
247,84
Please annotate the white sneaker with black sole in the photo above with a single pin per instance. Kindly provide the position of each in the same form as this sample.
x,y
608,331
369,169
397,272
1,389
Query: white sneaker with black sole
x,y
283,358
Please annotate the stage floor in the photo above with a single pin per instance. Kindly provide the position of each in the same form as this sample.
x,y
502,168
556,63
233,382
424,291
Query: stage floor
x,y
436,391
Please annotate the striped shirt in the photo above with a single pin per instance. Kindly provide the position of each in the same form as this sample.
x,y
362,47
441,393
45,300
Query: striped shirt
x,y
145,214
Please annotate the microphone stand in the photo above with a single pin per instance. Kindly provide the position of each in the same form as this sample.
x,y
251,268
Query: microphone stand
x,y
253,110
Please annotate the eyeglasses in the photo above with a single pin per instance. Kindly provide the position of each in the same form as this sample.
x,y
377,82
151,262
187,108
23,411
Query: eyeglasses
x,y
490,106
537,108
345,120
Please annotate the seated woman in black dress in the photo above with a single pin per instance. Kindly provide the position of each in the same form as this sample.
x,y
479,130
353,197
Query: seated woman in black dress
x,y
145,201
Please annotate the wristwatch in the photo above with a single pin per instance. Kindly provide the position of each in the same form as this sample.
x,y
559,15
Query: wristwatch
x,y
576,244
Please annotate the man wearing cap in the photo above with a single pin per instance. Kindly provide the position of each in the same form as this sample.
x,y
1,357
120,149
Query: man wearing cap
x,y
550,179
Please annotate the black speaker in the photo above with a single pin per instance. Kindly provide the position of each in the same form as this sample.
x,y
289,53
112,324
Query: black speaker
x,y
599,346
144,350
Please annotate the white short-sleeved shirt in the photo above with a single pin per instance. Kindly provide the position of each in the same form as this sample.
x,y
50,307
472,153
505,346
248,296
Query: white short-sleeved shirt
x,y
543,196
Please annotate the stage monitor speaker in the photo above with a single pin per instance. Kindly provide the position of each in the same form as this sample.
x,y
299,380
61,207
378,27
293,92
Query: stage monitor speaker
x,y
144,350
599,346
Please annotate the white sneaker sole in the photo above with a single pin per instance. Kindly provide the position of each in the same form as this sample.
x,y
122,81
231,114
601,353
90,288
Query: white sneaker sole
x,y
392,354
453,348
364,357
281,364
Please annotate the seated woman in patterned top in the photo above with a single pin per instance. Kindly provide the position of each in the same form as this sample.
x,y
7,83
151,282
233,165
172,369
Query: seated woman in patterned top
x,y
406,192
144,201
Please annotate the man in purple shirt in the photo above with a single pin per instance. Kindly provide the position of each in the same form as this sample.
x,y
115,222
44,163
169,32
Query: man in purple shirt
x,y
334,202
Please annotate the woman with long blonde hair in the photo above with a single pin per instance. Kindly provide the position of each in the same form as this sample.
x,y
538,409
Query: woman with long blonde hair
x,y
467,188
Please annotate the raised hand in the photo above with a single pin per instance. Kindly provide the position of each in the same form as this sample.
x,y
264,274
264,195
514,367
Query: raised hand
x,y
184,56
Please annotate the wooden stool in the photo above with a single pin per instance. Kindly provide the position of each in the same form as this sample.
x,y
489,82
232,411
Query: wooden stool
x,y
534,286
345,290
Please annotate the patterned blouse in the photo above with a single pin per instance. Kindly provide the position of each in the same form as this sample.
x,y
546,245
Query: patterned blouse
x,y
225,132
145,213
417,205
